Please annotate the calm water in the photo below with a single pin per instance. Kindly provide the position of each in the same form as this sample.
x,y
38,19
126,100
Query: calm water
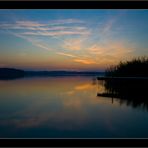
x,y
66,107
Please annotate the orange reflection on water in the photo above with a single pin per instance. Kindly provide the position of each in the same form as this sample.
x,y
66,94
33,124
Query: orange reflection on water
x,y
52,102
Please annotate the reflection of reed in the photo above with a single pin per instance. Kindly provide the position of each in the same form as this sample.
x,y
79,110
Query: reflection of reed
x,y
94,81
132,91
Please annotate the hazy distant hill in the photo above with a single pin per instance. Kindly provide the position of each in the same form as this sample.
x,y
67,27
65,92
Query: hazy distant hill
x,y
62,73
10,73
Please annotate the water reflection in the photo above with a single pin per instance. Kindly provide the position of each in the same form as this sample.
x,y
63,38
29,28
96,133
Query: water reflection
x,y
65,107
46,102
133,92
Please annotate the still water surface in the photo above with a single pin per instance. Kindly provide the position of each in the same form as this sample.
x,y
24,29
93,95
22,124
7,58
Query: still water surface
x,y
66,107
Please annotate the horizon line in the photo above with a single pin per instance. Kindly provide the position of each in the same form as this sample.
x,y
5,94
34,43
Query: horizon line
x,y
52,70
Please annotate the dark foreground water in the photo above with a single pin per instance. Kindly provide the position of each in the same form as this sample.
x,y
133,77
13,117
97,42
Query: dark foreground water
x,y
66,107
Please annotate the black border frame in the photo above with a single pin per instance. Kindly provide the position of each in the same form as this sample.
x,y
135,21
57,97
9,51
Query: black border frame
x,y
118,4
73,142
71,4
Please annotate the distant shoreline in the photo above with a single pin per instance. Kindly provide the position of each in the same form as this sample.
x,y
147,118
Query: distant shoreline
x,y
11,73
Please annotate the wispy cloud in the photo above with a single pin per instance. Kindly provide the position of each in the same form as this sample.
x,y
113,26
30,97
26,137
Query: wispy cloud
x,y
65,21
31,31
48,28
78,59
111,52
108,26
73,44
85,61
35,42
106,29
56,33
66,54
73,35
27,23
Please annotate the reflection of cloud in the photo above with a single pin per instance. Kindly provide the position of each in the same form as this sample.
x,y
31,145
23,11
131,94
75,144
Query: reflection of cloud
x,y
31,122
55,111
70,92
73,103
83,87
2,65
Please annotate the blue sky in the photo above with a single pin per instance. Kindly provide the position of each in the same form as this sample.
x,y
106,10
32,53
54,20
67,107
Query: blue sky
x,y
71,39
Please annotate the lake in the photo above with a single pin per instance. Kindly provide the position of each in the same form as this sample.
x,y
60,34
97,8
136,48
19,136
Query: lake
x,y
66,107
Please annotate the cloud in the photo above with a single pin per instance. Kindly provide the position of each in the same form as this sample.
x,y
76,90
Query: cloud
x,y
111,51
35,42
29,24
105,31
85,61
66,54
48,28
108,26
99,52
78,59
73,44
65,21
97,49
58,28
55,33
111,23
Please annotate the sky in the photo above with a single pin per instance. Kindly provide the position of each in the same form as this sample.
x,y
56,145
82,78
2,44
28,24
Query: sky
x,y
71,39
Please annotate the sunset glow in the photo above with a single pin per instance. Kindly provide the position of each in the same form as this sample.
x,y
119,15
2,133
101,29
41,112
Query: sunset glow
x,y
83,40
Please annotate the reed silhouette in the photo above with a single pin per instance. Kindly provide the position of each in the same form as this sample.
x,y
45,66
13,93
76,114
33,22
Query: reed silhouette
x,y
132,91
137,67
